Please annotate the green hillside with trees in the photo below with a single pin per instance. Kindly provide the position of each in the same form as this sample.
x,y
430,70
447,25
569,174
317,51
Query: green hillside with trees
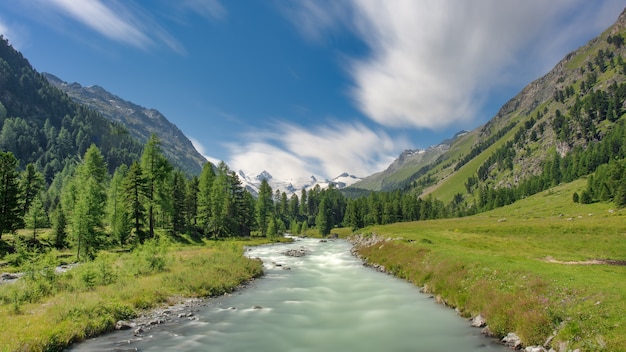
x,y
76,187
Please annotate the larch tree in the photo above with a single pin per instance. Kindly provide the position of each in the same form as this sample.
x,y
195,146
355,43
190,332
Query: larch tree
x,y
36,216
191,204
177,199
118,213
156,169
89,210
205,185
31,184
264,207
9,193
135,190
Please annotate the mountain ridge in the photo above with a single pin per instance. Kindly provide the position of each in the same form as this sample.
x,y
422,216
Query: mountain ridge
x,y
140,121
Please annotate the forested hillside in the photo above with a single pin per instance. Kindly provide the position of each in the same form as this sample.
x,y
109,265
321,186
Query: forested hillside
x,y
565,125
43,126
139,121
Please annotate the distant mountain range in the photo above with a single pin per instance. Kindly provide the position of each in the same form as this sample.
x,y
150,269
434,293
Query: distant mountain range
x,y
141,122
293,186
553,130
410,165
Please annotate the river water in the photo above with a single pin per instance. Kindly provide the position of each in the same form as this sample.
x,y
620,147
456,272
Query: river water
x,y
325,300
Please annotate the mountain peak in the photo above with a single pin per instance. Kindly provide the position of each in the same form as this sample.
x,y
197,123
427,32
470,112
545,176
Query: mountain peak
x,y
264,176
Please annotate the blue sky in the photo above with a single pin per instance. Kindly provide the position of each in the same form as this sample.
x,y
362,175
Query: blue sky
x,y
302,88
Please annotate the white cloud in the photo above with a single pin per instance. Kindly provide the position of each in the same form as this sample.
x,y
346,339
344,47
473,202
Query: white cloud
x,y
116,25
291,151
121,21
202,150
12,34
432,63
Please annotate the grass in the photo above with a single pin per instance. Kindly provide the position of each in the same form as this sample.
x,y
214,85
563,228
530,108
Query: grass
x,y
505,265
44,311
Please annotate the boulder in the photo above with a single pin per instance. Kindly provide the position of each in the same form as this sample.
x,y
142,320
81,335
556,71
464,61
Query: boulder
x,y
511,340
535,349
479,321
300,252
124,325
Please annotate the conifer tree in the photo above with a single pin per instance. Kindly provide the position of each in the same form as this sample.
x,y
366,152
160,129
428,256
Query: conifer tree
x,y
31,184
205,185
36,217
177,199
156,169
135,190
264,207
89,207
119,216
9,194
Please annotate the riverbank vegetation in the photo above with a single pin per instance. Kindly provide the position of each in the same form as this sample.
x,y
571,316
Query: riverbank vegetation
x,y
544,268
48,311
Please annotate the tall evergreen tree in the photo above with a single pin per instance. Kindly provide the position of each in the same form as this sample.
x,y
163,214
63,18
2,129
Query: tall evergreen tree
x,y
323,219
31,184
177,199
119,216
205,186
220,202
191,204
89,207
135,190
156,169
36,217
264,207
9,194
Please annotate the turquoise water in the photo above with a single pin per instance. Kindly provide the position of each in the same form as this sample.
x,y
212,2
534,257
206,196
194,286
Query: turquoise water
x,y
326,301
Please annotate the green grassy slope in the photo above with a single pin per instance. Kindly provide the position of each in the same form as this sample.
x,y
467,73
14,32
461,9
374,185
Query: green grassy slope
x,y
524,267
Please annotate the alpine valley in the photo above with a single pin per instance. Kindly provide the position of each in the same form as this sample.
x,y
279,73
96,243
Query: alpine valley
x,y
518,224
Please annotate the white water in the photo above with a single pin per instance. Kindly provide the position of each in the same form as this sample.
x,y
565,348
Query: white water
x,y
327,302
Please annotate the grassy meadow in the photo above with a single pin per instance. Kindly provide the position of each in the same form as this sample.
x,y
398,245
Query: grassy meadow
x,y
43,311
524,267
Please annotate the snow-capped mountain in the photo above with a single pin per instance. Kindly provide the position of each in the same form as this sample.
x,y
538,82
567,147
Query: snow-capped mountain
x,y
293,185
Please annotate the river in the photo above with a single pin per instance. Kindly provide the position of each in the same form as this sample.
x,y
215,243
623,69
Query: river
x,y
325,300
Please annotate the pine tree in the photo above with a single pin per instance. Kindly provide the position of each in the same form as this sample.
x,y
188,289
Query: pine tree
x,y
135,190
9,194
264,207
89,207
36,217
31,184
177,198
205,186
220,202
191,204
156,169
323,219
119,216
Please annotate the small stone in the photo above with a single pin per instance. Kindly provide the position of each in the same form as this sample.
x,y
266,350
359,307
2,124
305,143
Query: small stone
x,y
124,325
487,332
535,349
479,321
512,340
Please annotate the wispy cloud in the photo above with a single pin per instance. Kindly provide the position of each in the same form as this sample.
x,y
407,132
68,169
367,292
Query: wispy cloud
x,y
202,150
293,151
130,23
119,24
12,33
433,63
